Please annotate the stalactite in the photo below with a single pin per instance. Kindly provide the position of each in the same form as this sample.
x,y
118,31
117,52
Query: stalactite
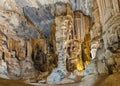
x,y
82,27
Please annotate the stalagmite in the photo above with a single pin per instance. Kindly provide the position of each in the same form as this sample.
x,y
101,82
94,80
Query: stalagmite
x,y
63,26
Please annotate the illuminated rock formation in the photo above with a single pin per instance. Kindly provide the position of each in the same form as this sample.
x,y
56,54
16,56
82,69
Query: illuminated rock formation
x,y
72,40
81,33
50,41
109,18
63,26
105,38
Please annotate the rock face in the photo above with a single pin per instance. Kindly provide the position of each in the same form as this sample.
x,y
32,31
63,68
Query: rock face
x,y
96,31
105,42
13,44
41,18
3,69
23,46
85,6
110,30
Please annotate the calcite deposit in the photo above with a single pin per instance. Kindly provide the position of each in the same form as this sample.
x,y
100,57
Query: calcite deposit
x,y
60,41
105,37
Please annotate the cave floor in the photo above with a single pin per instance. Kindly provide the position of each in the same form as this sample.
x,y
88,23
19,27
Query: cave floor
x,y
111,80
69,84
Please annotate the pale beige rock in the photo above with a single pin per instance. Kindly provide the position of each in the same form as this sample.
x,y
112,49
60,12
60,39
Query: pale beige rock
x,y
106,22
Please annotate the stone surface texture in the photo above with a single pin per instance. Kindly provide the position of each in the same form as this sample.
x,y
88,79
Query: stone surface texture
x,y
52,41
105,44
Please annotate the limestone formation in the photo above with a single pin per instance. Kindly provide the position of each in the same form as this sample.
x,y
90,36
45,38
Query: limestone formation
x,y
96,31
20,41
81,35
26,38
64,24
105,37
53,41
72,41
109,12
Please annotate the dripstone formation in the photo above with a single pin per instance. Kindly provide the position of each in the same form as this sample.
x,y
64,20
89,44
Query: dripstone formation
x,y
58,41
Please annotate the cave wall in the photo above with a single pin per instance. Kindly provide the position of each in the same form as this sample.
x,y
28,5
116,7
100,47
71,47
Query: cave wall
x,y
105,38
109,17
24,50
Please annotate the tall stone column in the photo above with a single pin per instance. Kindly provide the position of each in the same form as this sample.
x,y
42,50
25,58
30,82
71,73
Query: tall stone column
x,y
62,33
63,27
